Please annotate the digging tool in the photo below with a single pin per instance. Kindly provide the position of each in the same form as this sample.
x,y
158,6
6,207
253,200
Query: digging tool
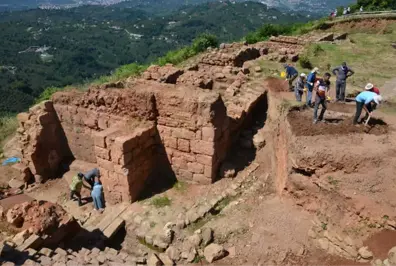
x,y
368,119
366,127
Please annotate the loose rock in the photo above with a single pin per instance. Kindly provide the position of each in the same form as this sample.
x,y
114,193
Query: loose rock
x,y
365,253
154,261
166,260
173,253
214,252
207,236
392,256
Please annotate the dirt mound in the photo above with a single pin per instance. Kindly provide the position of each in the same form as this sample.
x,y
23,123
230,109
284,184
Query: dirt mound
x,y
301,123
276,84
39,217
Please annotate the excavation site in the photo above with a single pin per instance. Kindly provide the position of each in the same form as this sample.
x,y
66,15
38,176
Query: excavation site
x,y
212,162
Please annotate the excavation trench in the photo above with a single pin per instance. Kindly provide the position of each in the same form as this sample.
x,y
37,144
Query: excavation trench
x,y
327,170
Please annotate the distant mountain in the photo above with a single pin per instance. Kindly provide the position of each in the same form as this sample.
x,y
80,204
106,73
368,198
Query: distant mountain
x,y
311,6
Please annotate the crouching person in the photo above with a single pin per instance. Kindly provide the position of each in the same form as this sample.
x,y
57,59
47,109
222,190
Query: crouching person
x,y
97,195
76,186
366,100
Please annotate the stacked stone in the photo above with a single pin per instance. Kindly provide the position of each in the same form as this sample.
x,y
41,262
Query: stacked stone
x,y
125,160
225,58
42,141
190,134
61,257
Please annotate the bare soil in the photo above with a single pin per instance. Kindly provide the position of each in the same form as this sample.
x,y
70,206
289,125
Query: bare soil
x,y
302,125
276,84
381,243
367,25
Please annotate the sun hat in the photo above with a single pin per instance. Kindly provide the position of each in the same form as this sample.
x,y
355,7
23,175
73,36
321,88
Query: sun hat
x,y
315,70
303,75
377,99
369,86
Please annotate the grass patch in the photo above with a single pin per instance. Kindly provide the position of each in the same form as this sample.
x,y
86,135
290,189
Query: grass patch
x,y
198,259
180,186
153,224
324,226
160,202
333,181
150,246
8,126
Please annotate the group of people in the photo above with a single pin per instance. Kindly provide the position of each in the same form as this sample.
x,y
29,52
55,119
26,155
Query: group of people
x,y
366,100
92,178
346,11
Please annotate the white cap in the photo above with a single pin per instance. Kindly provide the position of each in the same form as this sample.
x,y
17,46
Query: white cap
x,y
369,86
303,75
377,99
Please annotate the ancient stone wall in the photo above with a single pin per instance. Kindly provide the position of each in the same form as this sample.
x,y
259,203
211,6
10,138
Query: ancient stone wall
x,y
43,142
185,125
171,119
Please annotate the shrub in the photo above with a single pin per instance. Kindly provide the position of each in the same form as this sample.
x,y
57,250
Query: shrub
x,y
305,62
202,42
317,49
47,93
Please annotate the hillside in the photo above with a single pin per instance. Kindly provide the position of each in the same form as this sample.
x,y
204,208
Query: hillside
x,y
156,6
43,48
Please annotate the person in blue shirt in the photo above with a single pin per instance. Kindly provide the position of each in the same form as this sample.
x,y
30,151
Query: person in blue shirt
x,y
364,100
291,75
97,195
310,85
90,176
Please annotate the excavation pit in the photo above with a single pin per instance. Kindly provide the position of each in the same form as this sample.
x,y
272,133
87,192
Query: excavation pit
x,y
335,123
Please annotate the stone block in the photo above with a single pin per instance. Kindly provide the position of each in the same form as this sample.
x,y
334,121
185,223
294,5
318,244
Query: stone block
x,y
179,162
189,157
108,165
196,168
61,251
208,134
126,143
201,179
34,241
100,138
183,145
204,159
184,174
21,237
198,135
113,228
170,142
183,133
208,171
102,153
46,252
202,147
